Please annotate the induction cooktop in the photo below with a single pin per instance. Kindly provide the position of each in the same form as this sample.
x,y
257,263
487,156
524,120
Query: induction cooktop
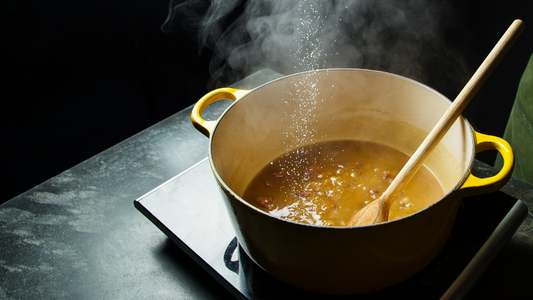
x,y
189,209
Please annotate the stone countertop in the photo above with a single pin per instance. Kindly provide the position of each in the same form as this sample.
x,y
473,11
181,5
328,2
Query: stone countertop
x,y
78,235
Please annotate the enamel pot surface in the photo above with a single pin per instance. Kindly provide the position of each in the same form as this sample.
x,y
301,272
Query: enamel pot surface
x,y
263,123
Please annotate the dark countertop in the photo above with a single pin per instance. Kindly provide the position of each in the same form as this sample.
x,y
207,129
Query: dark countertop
x,y
78,234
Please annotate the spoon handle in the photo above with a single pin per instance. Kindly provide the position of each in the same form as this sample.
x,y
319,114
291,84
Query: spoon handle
x,y
453,112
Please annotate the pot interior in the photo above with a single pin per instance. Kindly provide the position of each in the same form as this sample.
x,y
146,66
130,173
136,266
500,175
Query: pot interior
x,y
330,105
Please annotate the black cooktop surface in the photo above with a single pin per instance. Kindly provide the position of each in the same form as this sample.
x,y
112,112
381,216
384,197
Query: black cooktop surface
x,y
190,210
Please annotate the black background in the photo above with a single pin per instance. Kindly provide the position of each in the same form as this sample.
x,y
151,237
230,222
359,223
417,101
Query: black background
x,y
81,76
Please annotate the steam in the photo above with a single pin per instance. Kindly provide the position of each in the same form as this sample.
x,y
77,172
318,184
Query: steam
x,y
289,36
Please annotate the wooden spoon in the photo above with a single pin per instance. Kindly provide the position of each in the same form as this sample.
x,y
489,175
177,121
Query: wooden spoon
x,y
378,211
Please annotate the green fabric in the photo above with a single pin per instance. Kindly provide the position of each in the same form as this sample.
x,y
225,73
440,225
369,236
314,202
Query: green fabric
x,y
519,130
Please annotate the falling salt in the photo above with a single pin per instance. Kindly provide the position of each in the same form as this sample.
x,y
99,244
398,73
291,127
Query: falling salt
x,y
305,92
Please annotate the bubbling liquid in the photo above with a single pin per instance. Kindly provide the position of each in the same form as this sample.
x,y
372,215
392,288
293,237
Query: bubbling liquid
x,y
326,183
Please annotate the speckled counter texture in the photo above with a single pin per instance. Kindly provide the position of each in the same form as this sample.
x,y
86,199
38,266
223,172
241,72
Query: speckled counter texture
x,y
78,235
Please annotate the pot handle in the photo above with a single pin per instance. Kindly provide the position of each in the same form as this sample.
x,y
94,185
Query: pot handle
x,y
474,185
207,127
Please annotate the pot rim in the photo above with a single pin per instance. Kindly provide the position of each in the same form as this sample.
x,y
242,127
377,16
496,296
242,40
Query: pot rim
x,y
250,206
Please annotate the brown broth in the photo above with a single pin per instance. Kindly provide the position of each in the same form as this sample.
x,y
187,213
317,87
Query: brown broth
x,y
326,183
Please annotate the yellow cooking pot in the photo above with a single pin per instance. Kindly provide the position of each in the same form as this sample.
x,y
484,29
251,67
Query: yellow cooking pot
x,y
347,104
